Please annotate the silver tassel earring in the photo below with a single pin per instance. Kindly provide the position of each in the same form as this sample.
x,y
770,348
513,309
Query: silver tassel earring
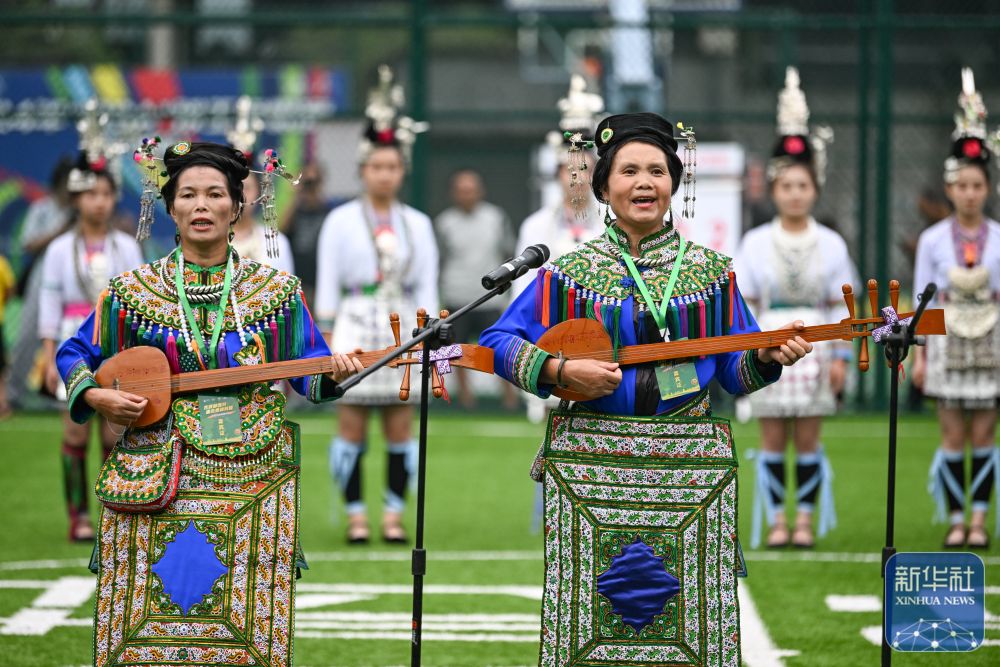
x,y
579,176
143,156
690,165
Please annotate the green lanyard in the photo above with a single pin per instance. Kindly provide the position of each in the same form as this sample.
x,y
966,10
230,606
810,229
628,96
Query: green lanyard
x,y
192,320
660,315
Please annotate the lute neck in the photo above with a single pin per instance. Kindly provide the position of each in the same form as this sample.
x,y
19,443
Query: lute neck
x,y
682,349
271,372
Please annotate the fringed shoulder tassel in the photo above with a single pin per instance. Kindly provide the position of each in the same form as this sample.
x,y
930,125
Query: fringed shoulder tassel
x,y
282,336
616,324
537,287
221,354
717,310
120,331
98,317
546,318
172,357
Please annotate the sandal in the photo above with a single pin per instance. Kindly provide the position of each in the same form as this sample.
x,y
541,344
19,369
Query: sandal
x,y
777,538
802,536
392,529
955,537
357,529
80,529
977,537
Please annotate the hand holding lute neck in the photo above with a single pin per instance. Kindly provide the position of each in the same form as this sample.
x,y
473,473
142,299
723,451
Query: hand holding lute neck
x,y
790,351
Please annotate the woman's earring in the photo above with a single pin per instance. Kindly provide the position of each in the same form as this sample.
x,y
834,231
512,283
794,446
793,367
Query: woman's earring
x,y
607,215
177,235
232,233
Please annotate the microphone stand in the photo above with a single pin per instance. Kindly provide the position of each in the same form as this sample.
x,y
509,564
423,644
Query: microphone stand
x,y
436,333
897,347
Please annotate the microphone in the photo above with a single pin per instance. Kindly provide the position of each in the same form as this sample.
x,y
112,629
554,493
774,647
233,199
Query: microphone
x,y
532,258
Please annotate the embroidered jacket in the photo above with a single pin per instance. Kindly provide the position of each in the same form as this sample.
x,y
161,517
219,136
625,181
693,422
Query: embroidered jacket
x,y
593,282
138,309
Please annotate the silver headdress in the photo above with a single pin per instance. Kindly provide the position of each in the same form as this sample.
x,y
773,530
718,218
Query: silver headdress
x,y
386,126
579,110
796,144
96,152
970,121
970,143
243,136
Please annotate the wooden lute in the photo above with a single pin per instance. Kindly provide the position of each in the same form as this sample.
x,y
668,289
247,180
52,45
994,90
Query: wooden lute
x,y
587,339
145,371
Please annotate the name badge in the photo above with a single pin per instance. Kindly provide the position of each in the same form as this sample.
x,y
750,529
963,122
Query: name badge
x,y
676,379
220,419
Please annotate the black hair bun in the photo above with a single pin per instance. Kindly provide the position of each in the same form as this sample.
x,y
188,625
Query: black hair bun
x,y
226,159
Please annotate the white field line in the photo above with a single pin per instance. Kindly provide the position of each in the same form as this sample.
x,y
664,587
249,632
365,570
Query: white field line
x,y
425,636
500,556
853,603
529,592
440,556
757,647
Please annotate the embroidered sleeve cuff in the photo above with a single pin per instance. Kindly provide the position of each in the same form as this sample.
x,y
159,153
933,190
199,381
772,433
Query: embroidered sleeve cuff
x,y
321,389
79,379
754,375
527,365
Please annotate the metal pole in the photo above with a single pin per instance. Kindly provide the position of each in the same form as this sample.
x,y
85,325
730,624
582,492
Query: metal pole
x,y
418,563
883,202
864,233
890,501
418,101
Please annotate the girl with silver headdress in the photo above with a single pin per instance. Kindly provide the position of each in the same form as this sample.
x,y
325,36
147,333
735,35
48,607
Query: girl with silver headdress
x,y
376,256
75,268
251,239
961,254
794,268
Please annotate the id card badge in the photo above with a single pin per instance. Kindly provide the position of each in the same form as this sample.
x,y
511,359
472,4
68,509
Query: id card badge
x,y
676,379
220,419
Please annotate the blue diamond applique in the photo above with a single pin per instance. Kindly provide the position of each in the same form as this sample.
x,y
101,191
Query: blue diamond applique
x,y
189,567
637,585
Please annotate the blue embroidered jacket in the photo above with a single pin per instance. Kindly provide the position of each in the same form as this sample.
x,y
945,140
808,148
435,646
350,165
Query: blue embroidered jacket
x,y
593,282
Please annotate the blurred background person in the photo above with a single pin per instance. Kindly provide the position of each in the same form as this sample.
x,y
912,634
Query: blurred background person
x,y
376,256
569,221
249,234
473,240
76,268
790,269
301,223
45,219
961,254
7,285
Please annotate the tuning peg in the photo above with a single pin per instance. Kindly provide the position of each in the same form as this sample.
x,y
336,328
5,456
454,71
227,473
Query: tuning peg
x,y
394,324
444,314
437,386
421,318
863,356
849,299
873,297
894,294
